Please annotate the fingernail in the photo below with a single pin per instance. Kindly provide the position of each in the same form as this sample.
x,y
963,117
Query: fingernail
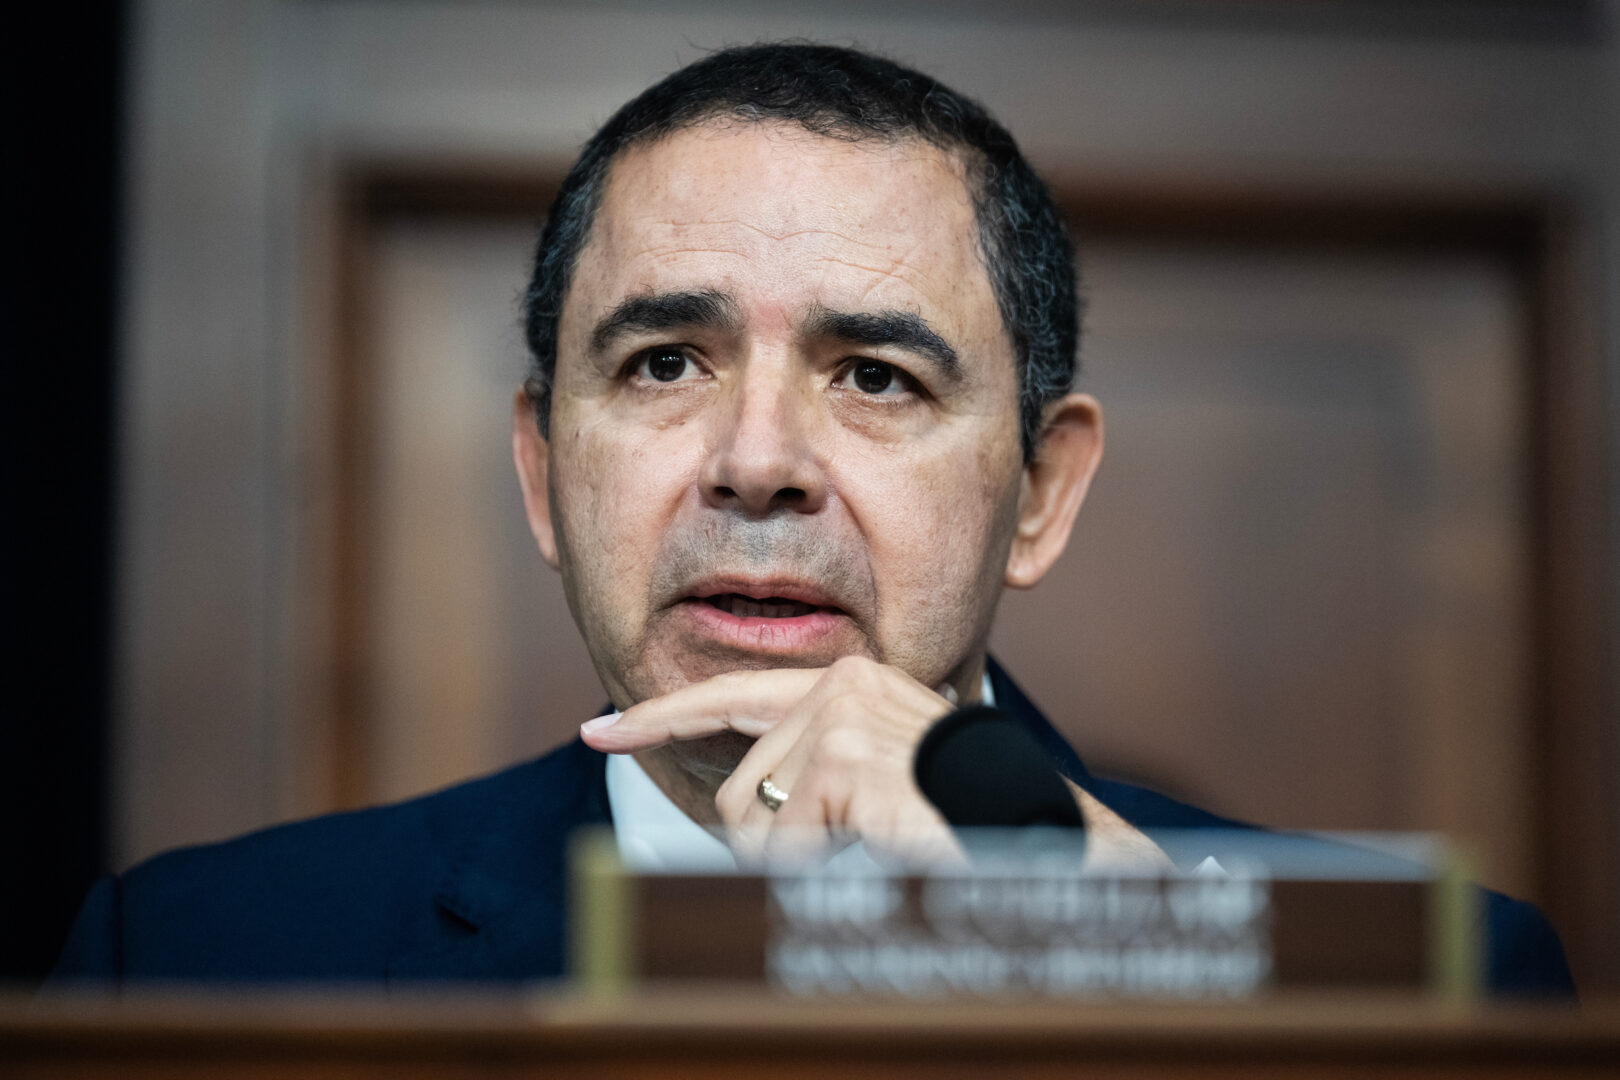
x,y
600,722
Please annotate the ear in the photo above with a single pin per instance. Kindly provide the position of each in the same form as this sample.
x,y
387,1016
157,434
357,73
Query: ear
x,y
1054,486
532,456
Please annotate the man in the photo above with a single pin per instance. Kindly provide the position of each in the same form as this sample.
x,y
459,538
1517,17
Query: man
x,y
803,326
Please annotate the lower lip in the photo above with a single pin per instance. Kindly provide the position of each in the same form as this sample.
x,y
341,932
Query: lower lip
x,y
756,634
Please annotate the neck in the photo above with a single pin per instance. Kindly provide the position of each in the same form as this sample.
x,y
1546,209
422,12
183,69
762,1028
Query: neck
x,y
693,793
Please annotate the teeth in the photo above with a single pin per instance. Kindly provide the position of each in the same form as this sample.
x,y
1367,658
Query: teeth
x,y
746,607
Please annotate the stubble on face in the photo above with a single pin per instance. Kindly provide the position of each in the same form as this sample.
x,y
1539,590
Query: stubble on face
x,y
910,544
781,547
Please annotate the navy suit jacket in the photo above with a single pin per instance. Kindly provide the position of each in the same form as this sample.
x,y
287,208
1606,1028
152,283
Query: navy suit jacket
x,y
470,883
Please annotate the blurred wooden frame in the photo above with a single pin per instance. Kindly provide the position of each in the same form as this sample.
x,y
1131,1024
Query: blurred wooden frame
x,y
1538,234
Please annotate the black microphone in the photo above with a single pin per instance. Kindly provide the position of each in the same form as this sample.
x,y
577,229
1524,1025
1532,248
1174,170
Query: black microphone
x,y
982,768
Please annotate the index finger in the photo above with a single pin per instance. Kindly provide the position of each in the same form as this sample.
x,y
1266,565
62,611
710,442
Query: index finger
x,y
747,702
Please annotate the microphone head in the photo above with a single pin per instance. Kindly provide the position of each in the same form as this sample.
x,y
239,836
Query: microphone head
x,y
982,769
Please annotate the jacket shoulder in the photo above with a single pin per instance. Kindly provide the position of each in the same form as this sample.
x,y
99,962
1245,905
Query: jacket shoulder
x,y
325,898
1524,957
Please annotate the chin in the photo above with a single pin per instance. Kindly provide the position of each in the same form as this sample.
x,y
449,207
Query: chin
x,y
716,756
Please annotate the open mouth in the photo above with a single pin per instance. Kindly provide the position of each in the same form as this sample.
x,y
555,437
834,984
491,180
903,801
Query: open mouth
x,y
770,607
786,618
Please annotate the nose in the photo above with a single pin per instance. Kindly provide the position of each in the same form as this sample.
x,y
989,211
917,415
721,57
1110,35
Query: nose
x,y
762,460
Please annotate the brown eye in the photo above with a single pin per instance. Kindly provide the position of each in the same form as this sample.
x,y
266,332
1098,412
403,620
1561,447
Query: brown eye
x,y
872,377
666,366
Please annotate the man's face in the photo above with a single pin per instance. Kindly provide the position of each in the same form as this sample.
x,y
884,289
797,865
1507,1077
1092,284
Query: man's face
x,y
784,419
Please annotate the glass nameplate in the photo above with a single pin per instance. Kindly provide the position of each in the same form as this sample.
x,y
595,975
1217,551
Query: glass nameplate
x,y
1240,914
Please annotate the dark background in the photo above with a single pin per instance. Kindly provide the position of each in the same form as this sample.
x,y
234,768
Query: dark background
x,y
60,314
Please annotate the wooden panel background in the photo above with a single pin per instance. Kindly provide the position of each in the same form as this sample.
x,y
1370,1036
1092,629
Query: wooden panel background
x,y
1288,128
1306,590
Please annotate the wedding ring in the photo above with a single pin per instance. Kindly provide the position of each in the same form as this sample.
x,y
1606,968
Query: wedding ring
x,y
772,796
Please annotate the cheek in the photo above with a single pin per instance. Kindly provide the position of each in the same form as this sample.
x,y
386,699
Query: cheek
x,y
616,492
933,536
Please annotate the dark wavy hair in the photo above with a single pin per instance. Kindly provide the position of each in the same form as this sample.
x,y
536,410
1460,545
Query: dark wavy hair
x,y
841,94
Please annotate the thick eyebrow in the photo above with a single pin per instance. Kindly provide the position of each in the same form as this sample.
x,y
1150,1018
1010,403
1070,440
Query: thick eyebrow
x,y
706,309
901,329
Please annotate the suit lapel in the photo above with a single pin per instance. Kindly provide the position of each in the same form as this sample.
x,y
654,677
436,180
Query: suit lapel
x,y
1169,823
1012,701
502,900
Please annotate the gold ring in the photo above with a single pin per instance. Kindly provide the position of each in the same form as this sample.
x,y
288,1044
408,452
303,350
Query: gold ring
x,y
772,796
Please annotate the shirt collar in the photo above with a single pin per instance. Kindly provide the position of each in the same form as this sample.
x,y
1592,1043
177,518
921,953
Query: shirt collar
x,y
652,832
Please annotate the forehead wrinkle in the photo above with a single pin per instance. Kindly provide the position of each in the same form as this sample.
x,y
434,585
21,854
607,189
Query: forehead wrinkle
x,y
769,235
791,234
913,277
681,215
677,252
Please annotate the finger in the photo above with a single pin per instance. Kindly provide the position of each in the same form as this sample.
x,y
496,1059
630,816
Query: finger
x,y
748,820
914,836
830,753
747,702
780,754
854,734
837,757
835,808
804,832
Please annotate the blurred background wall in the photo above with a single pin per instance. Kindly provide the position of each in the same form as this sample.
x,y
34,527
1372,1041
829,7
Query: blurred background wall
x,y
1351,271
